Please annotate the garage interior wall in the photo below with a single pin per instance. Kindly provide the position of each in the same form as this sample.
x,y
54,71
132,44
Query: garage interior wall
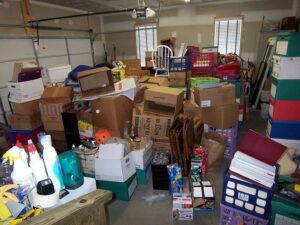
x,y
195,25
56,48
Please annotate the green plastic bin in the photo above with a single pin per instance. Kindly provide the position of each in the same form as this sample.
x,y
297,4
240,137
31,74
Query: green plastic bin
x,y
285,89
143,175
288,44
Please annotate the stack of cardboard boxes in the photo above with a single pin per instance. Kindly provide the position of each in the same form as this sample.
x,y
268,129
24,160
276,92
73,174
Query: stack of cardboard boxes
x,y
219,112
54,101
154,119
25,90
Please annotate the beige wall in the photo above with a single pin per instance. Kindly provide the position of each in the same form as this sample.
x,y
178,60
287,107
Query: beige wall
x,y
194,24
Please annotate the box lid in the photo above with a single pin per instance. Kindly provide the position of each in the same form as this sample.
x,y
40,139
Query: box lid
x,y
57,95
92,71
149,81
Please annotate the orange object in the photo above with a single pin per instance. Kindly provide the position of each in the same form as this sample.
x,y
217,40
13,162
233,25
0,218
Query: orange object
x,y
102,135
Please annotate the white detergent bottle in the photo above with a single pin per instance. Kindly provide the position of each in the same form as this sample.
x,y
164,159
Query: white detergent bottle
x,y
23,153
36,163
22,173
52,163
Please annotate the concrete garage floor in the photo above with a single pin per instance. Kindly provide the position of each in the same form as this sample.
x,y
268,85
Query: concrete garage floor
x,y
138,211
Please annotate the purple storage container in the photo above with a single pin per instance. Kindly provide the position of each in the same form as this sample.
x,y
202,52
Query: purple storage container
x,y
231,134
233,216
30,75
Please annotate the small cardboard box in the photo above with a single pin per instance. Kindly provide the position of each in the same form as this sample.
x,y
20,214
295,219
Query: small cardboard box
x,y
26,108
163,100
150,125
203,193
132,64
142,157
57,95
111,112
53,123
221,117
182,206
179,78
222,95
148,81
121,190
25,91
96,81
117,170
25,122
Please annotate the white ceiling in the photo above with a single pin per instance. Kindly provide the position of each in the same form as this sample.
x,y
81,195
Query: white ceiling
x,y
107,5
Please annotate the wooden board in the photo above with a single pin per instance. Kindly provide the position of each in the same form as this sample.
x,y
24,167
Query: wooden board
x,y
86,210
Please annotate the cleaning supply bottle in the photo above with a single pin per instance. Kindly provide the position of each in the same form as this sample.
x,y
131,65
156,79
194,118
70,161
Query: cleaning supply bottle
x,y
52,163
22,173
36,163
23,153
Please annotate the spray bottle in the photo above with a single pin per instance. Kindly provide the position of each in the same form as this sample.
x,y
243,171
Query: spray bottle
x,y
23,153
52,163
22,173
36,163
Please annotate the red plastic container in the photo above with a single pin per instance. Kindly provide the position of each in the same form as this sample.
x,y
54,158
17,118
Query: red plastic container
x,y
284,110
203,64
229,71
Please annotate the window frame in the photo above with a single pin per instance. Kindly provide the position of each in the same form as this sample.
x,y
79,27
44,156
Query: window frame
x,y
231,18
137,34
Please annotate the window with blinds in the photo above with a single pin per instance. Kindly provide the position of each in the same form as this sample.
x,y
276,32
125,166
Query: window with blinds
x,y
146,40
228,35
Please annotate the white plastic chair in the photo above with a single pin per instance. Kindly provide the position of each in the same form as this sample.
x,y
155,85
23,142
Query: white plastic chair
x,y
161,60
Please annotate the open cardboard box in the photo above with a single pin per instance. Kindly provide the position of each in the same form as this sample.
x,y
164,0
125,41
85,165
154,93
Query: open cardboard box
x,y
149,81
96,81
163,100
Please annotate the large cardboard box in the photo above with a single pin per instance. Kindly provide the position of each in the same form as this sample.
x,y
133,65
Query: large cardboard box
x,y
53,123
55,109
59,141
57,95
25,122
96,81
221,117
148,81
150,125
222,95
26,108
163,100
112,112
116,170
25,91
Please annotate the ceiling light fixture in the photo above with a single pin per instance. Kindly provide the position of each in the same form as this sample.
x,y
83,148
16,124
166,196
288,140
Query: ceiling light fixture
x,y
187,0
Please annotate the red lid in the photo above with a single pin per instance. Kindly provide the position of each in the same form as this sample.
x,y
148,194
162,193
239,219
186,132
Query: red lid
x,y
19,144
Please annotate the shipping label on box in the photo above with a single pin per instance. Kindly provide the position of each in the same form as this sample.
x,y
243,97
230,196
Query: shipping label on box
x,y
182,206
163,100
151,125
